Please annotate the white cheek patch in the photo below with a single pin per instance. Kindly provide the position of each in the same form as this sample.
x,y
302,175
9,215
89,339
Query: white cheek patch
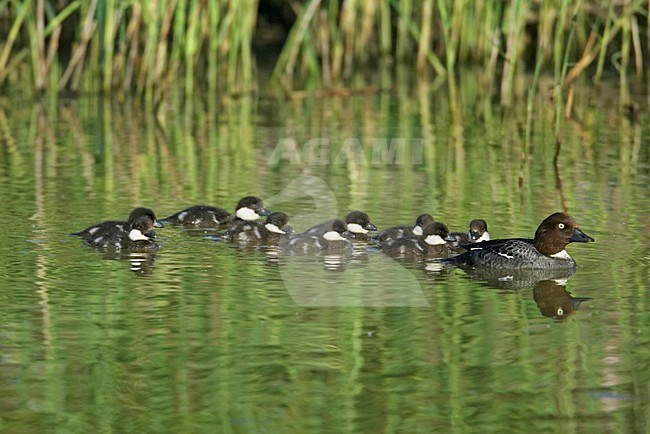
x,y
356,228
182,215
435,240
417,230
93,230
484,237
333,236
136,235
273,228
561,255
247,214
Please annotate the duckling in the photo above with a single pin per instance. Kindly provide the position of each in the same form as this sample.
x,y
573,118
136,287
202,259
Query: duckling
x,y
432,242
249,208
111,226
333,239
275,230
405,231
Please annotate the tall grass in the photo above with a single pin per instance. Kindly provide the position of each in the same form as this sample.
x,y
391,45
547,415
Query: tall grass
x,y
146,48
136,47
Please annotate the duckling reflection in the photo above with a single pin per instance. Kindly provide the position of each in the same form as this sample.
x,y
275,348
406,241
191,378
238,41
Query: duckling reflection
x,y
275,255
141,263
338,261
335,262
438,270
554,301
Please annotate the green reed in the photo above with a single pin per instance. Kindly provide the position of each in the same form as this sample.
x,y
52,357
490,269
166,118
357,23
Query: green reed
x,y
137,47
146,49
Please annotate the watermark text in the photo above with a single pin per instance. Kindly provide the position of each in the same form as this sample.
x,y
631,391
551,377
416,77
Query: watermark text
x,y
323,151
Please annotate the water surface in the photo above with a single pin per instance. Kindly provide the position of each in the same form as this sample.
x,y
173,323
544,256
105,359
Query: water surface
x,y
207,337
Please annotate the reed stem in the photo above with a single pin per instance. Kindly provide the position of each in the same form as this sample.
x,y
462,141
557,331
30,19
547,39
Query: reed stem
x,y
144,47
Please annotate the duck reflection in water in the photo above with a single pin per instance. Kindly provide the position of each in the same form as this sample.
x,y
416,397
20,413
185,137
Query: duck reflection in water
x,y
512,280
554,301
549,287
141,263
335,262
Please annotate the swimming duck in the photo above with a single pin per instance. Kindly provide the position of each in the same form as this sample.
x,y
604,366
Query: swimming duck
x,y
249,208
112,226
406,231
358,224
546,251
275,230
333,239
477,233
432,242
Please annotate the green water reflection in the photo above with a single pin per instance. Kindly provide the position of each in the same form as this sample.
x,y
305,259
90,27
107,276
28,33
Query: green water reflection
x,y
205,337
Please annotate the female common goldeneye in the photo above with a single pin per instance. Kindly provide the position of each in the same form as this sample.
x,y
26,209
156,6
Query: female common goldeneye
x,y
545,251
358,224
477,232
137,237
406,231
249,208
433,241
112,226
331,240
274,230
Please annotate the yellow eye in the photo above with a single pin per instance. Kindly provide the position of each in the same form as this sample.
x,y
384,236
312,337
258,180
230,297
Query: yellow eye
x,y
561,226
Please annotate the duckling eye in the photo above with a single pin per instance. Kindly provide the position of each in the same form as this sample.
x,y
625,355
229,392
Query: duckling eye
x,y
561,226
